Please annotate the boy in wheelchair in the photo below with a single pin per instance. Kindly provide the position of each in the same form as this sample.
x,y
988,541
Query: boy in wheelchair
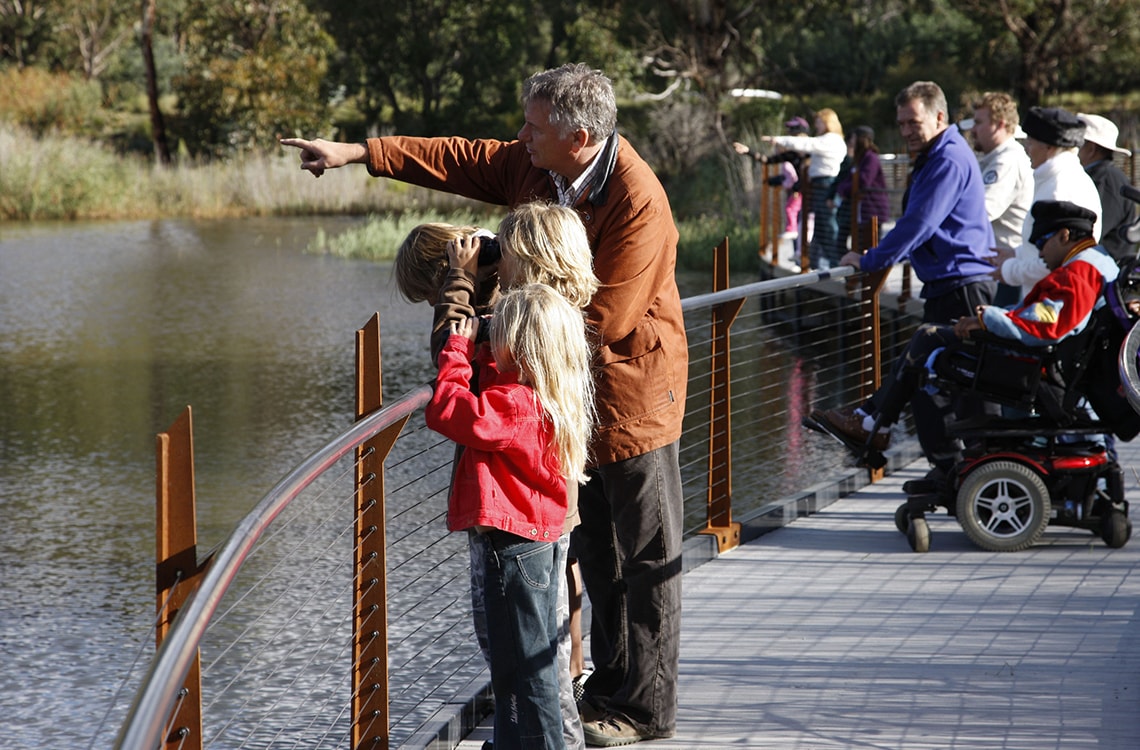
x,y
1034,358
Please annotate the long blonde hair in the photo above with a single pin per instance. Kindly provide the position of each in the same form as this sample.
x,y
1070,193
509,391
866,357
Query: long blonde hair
x,y
548,245
421,260
541,334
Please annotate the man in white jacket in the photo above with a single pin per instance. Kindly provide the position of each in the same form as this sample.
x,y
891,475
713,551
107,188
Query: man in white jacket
x,y
1006,173
1053,137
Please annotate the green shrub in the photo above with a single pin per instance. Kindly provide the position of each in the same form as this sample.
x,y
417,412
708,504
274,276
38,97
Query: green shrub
x,y
46,102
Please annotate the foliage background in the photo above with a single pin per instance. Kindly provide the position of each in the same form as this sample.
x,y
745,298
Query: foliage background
x,y
231,77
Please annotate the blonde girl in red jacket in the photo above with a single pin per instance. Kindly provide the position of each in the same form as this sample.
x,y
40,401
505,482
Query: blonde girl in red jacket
x,y
542,243
526,434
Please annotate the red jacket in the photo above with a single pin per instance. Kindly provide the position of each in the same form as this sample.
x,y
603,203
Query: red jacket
x,y
642,355
508,477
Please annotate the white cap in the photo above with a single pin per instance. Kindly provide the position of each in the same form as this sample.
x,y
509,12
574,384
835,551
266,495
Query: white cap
x,y
1102,131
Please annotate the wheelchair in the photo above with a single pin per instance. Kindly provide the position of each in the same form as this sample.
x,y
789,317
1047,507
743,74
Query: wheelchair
x,y
1043,461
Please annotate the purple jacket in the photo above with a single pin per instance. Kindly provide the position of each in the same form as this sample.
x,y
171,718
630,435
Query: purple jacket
x,y
873,198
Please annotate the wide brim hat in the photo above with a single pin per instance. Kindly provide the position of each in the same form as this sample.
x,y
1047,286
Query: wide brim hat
x,y
1054,126
1102,131
1049,216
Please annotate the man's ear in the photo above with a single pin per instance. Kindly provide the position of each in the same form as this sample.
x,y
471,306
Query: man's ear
x,y
580,138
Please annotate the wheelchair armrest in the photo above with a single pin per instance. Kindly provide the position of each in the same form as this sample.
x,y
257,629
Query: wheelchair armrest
x,y
988,338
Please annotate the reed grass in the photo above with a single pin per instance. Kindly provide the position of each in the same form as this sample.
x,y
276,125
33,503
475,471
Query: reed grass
x,y
56,177
64,177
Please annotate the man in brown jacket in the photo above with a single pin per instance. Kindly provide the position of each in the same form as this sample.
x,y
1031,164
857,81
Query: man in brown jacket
x,y
629,542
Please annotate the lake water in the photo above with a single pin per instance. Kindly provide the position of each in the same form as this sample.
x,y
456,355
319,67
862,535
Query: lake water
x,y
107,332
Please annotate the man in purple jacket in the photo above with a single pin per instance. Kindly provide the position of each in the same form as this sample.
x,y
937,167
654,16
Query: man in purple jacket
x,y
946,236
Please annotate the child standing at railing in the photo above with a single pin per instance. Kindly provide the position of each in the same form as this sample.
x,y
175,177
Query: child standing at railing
x,y
526,434
448,266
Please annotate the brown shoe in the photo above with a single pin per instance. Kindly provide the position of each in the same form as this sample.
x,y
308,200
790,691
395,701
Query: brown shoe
x,y
850,425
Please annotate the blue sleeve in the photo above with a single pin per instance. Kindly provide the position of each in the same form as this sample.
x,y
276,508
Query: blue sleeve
x,y
933,196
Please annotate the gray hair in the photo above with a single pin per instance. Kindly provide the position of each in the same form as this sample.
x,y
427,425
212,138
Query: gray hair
x,y
579,97
927,92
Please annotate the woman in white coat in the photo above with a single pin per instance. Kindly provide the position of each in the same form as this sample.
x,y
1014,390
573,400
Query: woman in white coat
x,y
826,149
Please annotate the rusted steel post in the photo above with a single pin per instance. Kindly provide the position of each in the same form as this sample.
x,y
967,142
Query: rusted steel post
x,y
370,697
720,521
872,343
177,571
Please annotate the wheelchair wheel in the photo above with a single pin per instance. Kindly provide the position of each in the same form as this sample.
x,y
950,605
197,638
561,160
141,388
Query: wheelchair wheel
x,y
1003,506
902,518
918,535
1115,529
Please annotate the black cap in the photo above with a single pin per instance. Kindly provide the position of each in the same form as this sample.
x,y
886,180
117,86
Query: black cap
x,y
1049,216
1054,126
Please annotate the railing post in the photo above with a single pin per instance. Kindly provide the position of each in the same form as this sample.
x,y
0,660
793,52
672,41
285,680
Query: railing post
x,y
177,571
872,343
370,696
720,521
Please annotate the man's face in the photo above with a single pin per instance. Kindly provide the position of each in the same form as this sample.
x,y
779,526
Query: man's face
x,y
917,126
1054,249
987,132
1039,152
548,149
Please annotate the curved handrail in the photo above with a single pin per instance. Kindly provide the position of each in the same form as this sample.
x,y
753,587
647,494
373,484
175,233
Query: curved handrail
x,y
144,725
702,301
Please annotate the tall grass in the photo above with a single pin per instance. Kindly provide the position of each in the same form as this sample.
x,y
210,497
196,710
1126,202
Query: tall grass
x,y
57,177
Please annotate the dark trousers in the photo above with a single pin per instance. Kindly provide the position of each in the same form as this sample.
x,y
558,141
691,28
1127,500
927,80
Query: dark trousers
x,y
629,550
824,253
931,413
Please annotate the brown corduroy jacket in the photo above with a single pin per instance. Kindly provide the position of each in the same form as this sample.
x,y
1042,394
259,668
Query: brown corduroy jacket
x,y
642,354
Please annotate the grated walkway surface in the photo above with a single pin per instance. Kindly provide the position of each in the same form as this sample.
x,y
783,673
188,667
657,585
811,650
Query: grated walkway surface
x,y
831,633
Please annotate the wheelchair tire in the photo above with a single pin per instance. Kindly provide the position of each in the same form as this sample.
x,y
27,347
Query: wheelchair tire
x,y
902,518
918,535
1115,529
1003,506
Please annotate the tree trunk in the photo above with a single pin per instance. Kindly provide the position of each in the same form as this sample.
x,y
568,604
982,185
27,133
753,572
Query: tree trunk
x,y
157,124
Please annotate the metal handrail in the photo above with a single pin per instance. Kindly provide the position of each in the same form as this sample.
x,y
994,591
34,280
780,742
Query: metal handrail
x,y
703,301
143,727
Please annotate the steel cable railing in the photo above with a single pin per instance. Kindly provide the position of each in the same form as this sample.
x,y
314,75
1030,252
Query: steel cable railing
x,y
282,680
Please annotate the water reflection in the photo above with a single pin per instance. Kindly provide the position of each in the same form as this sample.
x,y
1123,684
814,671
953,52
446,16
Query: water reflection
x,y
107,331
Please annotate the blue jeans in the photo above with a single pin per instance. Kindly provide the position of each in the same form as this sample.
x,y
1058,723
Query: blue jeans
x,y
477,547
521,599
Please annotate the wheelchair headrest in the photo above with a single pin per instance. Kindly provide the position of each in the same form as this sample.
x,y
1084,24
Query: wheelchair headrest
x,y
1123,295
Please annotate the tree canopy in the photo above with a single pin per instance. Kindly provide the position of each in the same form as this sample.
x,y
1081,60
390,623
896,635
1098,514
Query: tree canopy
x,y
231,76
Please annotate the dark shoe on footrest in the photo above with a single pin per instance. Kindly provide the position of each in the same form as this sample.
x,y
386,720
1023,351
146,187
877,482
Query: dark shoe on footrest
x,y
847,427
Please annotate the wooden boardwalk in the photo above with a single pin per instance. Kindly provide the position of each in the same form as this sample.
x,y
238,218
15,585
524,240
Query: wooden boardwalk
x,y
830,632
